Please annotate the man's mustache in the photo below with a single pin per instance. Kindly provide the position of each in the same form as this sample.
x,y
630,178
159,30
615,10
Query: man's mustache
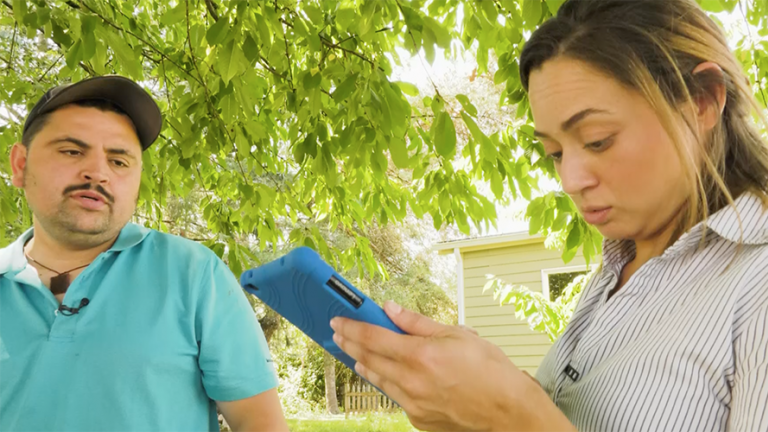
x,y
88,186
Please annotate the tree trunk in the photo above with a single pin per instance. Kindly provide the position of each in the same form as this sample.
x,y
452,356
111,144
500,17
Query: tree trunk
x,y
269,324
331,403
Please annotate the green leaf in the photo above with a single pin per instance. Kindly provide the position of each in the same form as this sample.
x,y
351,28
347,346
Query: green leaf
x,y
560,221
531,12
440,35
234,261
251,49
569,254
300,28
312,80
467,105
88,25
19,10
174,15
217,32
444,135
437,105
574,236
407,88
497,184
74,54
714,6
489,9
554,6
59,36
126,56
315,14
231,61
345,18
346,88
399,152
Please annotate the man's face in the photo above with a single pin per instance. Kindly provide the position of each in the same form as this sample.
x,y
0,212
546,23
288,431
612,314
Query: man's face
x,y
81,174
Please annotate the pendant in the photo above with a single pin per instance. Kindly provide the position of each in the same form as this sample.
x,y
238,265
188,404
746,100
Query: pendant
x,y
60,283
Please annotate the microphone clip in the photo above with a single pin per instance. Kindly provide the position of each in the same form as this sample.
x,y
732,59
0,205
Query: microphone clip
x,y
69,311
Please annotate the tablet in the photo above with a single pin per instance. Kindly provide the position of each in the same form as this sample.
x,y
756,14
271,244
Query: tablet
x,y
306,291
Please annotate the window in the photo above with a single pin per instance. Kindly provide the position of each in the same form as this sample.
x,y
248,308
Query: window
x,y
554,281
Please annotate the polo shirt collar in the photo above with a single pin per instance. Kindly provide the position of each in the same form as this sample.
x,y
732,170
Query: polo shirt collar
x,y
130,236
12,256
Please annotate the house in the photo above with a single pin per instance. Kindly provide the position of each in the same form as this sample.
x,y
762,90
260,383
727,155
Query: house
x,y
516,258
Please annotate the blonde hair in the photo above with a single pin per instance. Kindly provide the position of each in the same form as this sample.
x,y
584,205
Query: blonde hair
x,y
653,47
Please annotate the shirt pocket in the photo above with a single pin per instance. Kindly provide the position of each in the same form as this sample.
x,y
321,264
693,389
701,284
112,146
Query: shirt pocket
x,y
4,355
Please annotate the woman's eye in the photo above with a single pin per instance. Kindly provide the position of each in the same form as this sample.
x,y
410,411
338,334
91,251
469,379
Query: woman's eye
x,y
556,156
600,145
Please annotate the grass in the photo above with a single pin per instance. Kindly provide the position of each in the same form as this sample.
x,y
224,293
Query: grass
x,y
361,423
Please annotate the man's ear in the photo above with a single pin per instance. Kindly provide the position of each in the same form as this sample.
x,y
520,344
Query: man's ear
x,y
18,163
710,99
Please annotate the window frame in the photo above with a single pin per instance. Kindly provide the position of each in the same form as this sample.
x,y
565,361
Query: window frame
x,y
557,270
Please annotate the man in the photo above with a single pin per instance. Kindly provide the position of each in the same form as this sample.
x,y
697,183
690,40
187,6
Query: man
x,y
106,325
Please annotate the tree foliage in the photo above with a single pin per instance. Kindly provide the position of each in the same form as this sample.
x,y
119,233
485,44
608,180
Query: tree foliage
x,y
285,110
543,315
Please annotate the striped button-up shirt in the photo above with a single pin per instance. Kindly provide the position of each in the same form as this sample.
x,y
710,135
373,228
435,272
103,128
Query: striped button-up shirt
x,y
683,346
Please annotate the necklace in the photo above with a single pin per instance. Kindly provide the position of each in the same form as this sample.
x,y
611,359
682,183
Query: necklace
x,y
60,282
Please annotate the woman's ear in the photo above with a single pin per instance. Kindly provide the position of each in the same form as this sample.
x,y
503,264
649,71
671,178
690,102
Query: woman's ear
x,y
710,98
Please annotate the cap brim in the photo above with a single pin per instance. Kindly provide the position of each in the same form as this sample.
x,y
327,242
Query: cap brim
x,y
121,91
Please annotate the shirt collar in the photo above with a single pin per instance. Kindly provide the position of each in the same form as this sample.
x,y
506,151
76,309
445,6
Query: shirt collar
x,y
747,223
749,209
12,256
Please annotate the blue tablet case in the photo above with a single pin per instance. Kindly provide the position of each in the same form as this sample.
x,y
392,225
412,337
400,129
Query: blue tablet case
x,y
305,290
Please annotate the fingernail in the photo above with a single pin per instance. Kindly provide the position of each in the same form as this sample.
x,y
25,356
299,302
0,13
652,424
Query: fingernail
x,y
392,307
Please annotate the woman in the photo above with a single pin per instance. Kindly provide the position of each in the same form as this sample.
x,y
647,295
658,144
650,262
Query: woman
x,y
647,116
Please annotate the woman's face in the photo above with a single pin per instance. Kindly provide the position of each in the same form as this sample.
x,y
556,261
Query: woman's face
x,y
614,157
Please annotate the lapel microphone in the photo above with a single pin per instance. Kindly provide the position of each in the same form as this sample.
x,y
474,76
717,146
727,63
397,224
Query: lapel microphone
x,y
69,311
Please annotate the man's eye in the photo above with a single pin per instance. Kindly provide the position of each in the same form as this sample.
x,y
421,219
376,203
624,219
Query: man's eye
x,y
119,163
71,152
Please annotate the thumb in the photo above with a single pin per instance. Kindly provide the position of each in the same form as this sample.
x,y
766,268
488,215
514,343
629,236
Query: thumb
x,y
411,322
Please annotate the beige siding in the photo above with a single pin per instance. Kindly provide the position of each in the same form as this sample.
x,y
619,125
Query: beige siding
x,y
522,265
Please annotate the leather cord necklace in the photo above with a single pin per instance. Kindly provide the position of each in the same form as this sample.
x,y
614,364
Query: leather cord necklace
x,y
60,282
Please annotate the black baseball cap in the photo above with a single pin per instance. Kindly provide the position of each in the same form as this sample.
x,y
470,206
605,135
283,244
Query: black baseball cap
x,y
123,92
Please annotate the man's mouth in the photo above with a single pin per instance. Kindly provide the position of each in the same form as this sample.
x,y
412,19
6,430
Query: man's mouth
x,y
90,200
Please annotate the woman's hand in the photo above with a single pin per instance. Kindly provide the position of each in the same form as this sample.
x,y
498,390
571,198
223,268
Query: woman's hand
x,y
445,377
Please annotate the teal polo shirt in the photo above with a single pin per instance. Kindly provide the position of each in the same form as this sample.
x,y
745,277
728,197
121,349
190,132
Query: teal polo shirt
x,y
167,332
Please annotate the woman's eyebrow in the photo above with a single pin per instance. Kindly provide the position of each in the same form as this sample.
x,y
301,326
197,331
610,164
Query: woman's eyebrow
x,y
573,120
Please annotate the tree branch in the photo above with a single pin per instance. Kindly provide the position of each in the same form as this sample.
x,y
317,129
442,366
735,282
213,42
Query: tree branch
x,y
271,69
49,68
329,44
13,42
211,106
754,61
212,8
147,43
288,56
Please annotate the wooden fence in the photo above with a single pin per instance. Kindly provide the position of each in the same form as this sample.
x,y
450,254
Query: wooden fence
x,y
363,398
